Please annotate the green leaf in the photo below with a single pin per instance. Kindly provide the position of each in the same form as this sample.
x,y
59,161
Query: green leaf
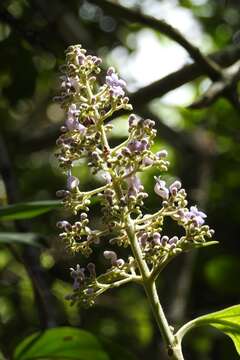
x,y
14,237
27,210
227,320
60,343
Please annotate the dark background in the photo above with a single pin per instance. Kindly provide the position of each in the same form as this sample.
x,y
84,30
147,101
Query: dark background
x,y
204,152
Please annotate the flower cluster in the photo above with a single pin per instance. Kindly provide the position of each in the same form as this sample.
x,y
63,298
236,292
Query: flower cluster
x,y
88,104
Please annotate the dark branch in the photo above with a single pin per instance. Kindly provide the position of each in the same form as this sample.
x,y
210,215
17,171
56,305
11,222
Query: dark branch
x,y
182,76
207,64
227,87
139,100
118,11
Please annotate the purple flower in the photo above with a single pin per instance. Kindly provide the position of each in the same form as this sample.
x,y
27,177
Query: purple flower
x,y
78,276
69,82
193,214
72,182
161,189
137,145
78,272
134,184
196,215
73,124
116,85
72,121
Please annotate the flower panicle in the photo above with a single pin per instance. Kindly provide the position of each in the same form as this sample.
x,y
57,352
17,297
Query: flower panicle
x,y
88,103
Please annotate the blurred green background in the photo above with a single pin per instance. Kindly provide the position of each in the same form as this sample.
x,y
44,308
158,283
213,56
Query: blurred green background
x,y
204,151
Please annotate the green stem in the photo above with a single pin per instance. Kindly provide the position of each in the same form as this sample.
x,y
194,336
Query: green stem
x,y
169,339
174,348
96,191
161,212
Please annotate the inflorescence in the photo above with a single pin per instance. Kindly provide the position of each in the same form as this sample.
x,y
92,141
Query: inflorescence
x,y
88,105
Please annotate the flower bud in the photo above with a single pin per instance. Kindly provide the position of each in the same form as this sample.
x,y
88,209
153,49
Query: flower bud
x,y
120,262
164,240
157,238
92,269
147,161
143,239
174,187
161,154
132,120
72,182
62,193
83,216
110,71
78,225
65,225
110,255
173,240
149,123
63,129
89,291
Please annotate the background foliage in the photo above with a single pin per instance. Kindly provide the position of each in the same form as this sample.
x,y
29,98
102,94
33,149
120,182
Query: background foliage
x,y
204,152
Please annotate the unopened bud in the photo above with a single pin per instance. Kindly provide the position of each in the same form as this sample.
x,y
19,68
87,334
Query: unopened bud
x,y
110,255
161,154
120,262
92,269
72,182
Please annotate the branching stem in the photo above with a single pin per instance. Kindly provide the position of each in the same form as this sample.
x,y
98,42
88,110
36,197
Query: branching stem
x,y
169,339
148,281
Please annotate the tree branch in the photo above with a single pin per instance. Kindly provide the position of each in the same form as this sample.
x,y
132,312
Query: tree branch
x,y
209,66
182,76
227,87
139,99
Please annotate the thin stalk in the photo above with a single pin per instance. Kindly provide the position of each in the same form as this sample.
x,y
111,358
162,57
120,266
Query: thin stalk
x,y
169,339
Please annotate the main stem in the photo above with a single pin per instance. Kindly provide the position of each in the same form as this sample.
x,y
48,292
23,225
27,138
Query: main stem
x,y
174,349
